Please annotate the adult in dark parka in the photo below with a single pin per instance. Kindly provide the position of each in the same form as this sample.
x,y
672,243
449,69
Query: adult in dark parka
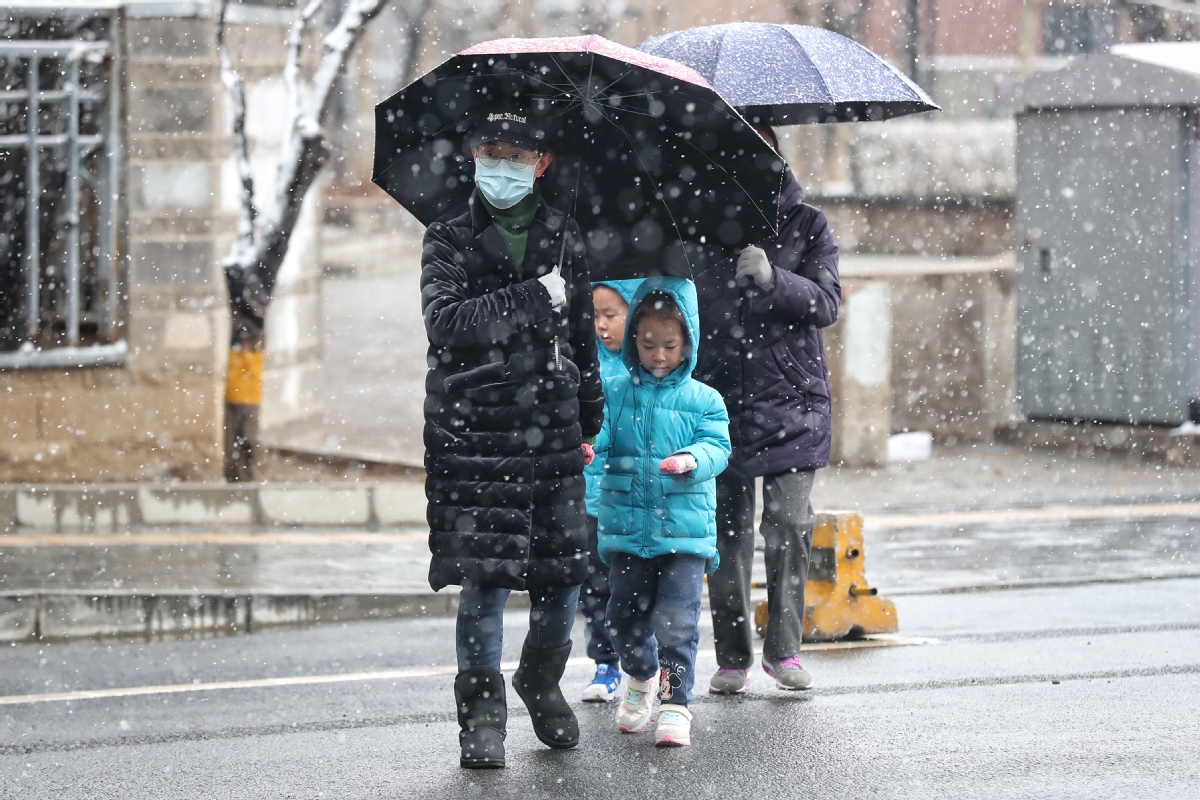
x,y
512,391
761,316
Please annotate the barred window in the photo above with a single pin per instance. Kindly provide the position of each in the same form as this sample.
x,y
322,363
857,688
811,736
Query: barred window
x,y
58,195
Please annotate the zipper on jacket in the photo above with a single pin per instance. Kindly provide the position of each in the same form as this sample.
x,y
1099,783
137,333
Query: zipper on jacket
x,y
649,459
557,355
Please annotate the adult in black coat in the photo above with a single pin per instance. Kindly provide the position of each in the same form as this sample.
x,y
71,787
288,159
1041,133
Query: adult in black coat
x,y
512,391
761,316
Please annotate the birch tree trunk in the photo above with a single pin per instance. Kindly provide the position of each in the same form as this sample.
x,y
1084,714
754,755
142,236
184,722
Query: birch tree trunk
x,y
262,243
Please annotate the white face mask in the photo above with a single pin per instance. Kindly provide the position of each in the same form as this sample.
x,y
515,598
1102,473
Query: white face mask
x,y
503,183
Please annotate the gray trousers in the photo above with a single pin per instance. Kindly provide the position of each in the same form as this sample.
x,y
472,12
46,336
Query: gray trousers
x,y
787,527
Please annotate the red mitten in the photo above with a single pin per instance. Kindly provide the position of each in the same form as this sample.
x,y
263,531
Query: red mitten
x,y
677,464
589,455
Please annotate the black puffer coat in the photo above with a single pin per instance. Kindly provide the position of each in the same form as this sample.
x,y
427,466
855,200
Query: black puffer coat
x,y
512,390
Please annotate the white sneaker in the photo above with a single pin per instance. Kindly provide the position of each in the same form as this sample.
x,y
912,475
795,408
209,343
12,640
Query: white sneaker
x,y
635,711
674,726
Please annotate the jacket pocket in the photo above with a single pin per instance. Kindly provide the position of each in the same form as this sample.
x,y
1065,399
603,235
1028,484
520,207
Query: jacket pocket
x,y
611,482
475,378
671,485
615,515
804,380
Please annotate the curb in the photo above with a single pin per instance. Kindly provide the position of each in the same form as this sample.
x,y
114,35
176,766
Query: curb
x,y
115,508
1085,439
63,615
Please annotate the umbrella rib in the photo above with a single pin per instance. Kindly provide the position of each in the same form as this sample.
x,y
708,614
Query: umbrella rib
x,y
562,68
650,176
816,69
709,159
615,81
732,176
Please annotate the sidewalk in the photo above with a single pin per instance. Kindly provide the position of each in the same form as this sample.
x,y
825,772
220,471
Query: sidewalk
x,y
161,562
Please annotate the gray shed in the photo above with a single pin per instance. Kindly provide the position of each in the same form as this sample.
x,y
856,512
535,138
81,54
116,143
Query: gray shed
x,y
1108,237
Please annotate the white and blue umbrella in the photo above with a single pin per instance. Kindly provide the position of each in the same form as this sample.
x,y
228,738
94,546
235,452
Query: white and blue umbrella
x,y
793,74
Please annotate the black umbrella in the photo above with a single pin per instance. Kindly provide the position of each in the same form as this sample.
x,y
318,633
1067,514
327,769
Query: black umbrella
x,y
793,74
662,175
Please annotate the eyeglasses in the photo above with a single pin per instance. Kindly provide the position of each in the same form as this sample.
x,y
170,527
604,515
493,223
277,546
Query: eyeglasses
x,y
516,161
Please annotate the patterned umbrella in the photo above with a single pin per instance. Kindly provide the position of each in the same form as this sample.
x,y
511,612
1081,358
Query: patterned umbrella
x,y
793,74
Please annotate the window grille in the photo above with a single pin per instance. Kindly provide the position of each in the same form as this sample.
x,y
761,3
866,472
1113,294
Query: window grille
x,y
58,204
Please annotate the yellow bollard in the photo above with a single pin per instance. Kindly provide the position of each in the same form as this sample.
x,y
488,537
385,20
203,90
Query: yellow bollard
x,y
839,602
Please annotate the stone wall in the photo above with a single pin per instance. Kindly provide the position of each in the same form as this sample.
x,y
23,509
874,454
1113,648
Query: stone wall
x,y
914,186
159,415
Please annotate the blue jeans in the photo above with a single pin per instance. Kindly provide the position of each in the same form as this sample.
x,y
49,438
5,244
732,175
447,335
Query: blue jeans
x,y
480,632
593,598
654,619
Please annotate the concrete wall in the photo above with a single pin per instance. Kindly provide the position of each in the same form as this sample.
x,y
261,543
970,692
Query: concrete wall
x,y
953,342
859,351
919,186
921,345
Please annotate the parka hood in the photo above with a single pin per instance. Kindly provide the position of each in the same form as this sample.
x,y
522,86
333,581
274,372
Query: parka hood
x,y
683,292
625,288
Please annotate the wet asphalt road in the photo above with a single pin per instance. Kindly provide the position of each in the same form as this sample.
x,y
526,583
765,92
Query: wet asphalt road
x,y
906,553
1075,691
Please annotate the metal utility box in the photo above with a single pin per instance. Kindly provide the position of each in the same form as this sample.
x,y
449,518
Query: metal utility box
x,y
1108,238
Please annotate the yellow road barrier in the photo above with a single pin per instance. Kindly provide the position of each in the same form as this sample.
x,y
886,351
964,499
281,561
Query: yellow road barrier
x,y
839,602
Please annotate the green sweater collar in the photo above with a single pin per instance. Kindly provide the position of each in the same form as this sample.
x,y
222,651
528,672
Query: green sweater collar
x,y
513,224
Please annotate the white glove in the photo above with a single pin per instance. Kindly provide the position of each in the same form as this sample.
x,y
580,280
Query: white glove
x,y
753,263
557,288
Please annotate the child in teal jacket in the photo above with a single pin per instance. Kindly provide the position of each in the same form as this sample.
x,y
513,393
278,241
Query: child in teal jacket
x,y
610,299
665,439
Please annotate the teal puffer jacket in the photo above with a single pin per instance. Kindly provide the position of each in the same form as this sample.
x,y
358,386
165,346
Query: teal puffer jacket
x,y
642,511
611,366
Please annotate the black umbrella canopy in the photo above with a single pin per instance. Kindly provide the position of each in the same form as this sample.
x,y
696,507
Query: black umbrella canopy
x,y
662,175
793,74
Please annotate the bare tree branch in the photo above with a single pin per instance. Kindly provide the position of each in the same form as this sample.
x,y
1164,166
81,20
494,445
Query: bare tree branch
x,y
235,85
291,69
303,151
338,45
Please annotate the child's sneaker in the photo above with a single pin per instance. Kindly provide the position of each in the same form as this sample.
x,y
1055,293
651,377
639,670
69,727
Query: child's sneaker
x,y
729,681
788,673
674,726
604,686
635,711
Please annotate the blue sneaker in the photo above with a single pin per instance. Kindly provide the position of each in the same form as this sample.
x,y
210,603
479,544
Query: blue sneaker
x,y
604,686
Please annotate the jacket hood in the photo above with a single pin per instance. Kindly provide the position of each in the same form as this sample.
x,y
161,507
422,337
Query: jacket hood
x,y
683,292
791,194
624,288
